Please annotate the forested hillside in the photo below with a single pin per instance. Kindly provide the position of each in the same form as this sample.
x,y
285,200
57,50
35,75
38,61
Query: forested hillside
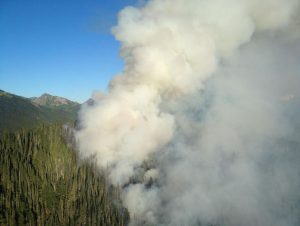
x,y
42,182
19,112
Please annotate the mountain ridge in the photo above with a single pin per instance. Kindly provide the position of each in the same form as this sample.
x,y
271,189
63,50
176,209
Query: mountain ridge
x,y
47,99
20,112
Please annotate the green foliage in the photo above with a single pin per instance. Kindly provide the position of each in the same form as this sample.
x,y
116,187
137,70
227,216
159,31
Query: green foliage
x,y
18,112
42,182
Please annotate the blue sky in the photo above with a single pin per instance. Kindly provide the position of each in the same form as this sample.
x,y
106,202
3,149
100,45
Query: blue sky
x,y
62,47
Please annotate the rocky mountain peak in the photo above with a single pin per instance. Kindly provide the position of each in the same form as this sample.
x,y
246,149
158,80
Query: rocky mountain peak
x,y
49,100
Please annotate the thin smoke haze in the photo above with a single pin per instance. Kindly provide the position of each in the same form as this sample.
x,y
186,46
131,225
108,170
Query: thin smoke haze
x,y
194,129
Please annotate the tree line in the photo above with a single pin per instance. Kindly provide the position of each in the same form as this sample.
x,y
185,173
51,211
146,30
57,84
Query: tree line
x,y
43,182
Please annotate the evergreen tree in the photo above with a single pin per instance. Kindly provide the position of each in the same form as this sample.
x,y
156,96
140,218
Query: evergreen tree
x,y
42,182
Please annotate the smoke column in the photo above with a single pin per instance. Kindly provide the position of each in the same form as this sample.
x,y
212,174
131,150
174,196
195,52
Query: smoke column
x,y
200,127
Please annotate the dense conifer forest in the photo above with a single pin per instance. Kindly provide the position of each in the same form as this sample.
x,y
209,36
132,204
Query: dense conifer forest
x,y
43,182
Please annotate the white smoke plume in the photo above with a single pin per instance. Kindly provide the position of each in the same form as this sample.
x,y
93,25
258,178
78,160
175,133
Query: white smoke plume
x,y
194,130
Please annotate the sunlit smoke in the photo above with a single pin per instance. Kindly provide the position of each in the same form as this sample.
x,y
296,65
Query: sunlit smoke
x,y
200,127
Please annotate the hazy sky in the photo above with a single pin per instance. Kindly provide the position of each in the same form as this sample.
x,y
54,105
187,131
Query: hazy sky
x,y
62,47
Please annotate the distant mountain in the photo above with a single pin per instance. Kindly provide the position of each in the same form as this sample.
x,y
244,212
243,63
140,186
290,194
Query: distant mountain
x,y
52,101
90,102
18,112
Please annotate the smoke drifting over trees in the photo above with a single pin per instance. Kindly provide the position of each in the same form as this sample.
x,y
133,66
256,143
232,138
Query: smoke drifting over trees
x,y
196,129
